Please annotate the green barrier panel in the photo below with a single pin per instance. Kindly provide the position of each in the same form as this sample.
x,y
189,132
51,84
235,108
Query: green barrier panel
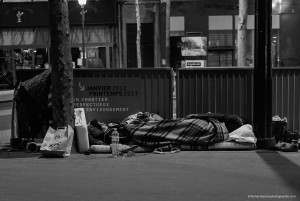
x,y
286,95
112,94
230,91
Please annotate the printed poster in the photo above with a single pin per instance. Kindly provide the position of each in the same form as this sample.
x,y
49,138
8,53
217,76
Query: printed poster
x,y
194,46
107,99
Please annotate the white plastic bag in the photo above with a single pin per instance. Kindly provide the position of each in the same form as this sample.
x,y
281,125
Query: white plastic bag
x,y
81,129
58,143
243,134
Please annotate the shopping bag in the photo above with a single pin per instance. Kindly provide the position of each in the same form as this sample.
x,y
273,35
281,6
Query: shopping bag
x,y
57,142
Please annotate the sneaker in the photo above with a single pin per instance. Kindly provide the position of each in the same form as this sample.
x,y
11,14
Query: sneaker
x,y
290,147
290,136
279,145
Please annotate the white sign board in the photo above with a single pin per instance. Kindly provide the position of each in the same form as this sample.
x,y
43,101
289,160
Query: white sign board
x,y
194,63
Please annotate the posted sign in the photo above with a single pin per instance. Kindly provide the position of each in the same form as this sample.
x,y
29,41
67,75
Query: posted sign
x,y
107,99
194,63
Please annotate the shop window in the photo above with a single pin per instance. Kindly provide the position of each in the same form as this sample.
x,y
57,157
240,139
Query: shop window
x,y
220,39
17,1
219,58
4,61
41,57
289,47
96,57
23,58
5,66
275,48
31,58
220,48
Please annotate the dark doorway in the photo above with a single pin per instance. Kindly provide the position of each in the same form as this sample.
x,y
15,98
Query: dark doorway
x,y
147,45
175,52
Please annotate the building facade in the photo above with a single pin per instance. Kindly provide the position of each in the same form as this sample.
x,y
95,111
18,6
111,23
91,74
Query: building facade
x,y
110,33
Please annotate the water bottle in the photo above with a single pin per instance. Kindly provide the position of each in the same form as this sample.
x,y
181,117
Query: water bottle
x,y
115,143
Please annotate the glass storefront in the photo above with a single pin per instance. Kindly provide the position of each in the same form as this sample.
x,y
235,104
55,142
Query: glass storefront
x,y
218,20
31,58
35,58
96,57
25,35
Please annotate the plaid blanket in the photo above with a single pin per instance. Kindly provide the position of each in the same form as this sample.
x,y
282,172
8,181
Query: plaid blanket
x,y
180,131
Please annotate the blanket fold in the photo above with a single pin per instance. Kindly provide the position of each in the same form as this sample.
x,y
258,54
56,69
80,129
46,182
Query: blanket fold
x,y
151,133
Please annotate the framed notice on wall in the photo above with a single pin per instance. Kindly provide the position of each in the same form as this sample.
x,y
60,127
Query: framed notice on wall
x,y
108,99
193,46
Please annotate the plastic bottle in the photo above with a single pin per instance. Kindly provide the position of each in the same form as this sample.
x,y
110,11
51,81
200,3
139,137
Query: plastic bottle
x,y
82,138
101,149
115,143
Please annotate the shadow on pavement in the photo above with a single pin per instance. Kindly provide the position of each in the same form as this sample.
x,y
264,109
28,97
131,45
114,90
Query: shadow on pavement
x,y
286,168
9,154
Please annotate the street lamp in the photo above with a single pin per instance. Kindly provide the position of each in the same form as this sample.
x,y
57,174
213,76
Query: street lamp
x,y
82,3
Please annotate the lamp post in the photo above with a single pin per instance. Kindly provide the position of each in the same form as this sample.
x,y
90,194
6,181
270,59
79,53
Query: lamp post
x,y
82,3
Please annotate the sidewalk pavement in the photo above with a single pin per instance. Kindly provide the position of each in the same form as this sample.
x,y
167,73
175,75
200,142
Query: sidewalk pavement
x,y
182,176
187,175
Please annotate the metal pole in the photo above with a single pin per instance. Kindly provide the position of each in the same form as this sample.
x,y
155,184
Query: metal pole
x,y
15,140
168,7
263,75
83,42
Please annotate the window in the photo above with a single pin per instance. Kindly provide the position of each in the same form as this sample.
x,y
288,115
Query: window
x,y
5,65
96,57
221,50
223,40
31,58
